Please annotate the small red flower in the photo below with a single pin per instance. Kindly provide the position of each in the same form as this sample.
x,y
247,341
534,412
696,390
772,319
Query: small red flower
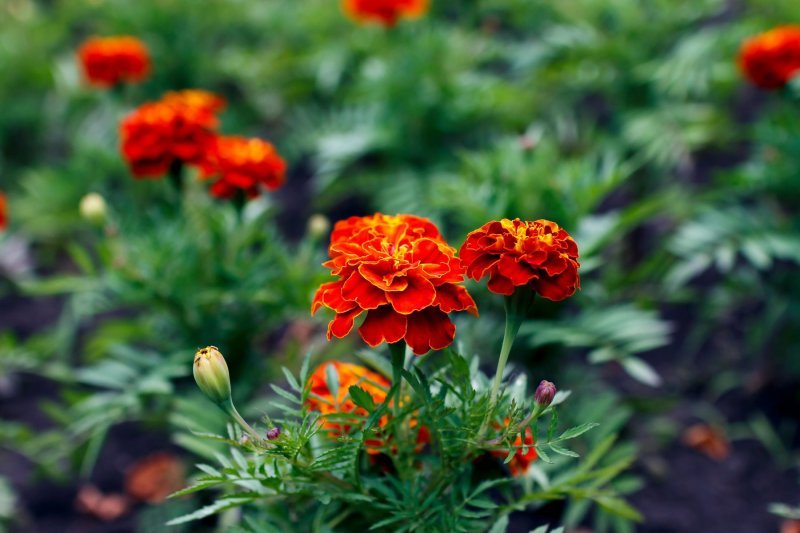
x,y
771,59
521,461
385,12
401,272
159,133
108,61
514,253
3,212
243,164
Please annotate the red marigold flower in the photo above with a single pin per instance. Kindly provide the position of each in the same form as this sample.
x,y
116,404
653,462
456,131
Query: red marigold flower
x,y
159,133
772,58
514,253
107,61
243,164
3,212
385,12
401,272
521,461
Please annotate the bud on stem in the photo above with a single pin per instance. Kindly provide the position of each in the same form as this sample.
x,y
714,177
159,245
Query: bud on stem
x,y
545,393
211,375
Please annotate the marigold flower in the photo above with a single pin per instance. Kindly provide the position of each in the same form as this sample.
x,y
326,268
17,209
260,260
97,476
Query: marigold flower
x,y
3,212
108,61
772,58
159,133
322,400
243,164
385,12
401,272
211,374
196,98
538,254
521,461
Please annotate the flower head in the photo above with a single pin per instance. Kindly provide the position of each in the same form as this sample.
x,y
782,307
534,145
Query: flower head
x,y
772,58
323,400
385,12
520,463
211,374
108,61
402,274
243,164
538,254
196,98
157,134
93,208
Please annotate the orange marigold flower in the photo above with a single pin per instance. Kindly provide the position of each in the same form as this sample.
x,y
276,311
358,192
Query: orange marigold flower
x,y
401,272
772,58
196,98
514,253
3,211
323,401
521,461
243,164
157,134
107,61
385,12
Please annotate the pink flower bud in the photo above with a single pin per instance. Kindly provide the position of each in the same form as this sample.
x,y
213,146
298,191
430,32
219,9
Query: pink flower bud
x,y
545,393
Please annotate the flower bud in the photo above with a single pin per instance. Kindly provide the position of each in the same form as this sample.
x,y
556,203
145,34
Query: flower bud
x,y
274,433
211,374
318,226
93,208
545,393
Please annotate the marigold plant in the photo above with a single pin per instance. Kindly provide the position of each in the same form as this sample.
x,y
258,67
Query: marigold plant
x,y
385,12
771,59
400,272
242,164
109,61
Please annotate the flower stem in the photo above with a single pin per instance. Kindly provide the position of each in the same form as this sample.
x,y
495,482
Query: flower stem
x,y
513,322
231,410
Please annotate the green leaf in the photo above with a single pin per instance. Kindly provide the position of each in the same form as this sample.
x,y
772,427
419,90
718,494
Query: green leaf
x,y
362,398
291,379
562,451
619,507
641,371
577,431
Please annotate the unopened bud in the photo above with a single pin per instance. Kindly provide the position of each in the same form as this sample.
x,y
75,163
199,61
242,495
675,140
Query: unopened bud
x,y
93,208
211,374
545,393
318,226
244,440
274,433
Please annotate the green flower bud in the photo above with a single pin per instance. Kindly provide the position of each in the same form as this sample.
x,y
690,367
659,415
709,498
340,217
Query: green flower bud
x,y
211,374
93,208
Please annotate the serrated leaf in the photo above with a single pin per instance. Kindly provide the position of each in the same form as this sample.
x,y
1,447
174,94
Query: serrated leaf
x,y
361,398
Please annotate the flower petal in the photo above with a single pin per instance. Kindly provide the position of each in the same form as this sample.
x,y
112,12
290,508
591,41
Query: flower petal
x,y
430,329
383,324
419,294
364,293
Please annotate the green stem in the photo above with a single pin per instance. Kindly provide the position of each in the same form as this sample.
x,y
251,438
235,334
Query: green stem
x,y
513,322
231,410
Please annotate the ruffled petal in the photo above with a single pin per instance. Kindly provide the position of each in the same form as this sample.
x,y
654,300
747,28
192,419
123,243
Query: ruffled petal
x,y
383,324
430,329
364,293
342,323
419,294
455,298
